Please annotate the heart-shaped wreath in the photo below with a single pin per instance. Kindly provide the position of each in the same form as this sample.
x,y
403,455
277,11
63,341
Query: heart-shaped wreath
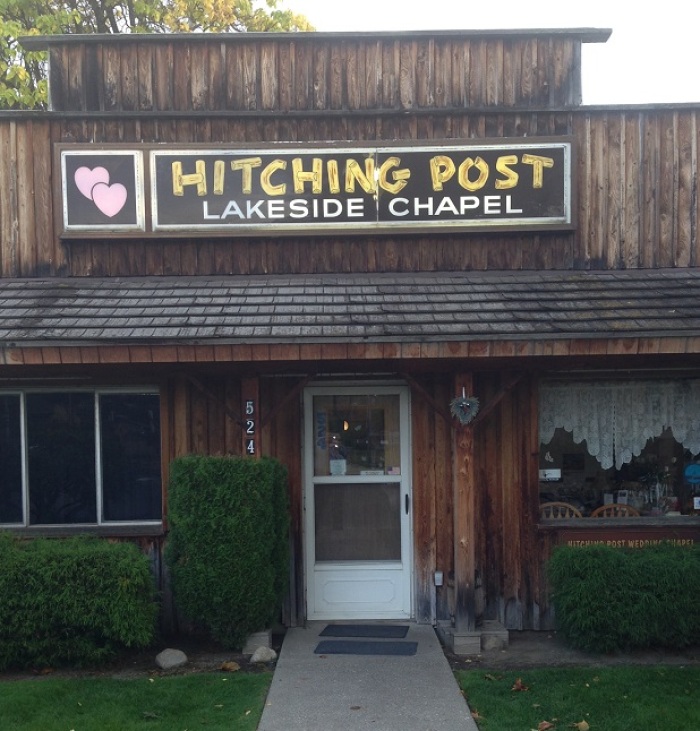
x,y
464,408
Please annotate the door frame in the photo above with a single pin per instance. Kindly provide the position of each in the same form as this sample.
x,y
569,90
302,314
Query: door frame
x,y
329,388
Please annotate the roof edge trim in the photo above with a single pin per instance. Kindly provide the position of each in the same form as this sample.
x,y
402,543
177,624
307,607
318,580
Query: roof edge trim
x,y
43,42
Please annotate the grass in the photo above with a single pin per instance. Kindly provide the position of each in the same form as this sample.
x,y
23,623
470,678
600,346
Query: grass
x,y
177,703
652,698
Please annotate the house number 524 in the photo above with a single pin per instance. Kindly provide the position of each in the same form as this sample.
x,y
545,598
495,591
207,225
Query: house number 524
x,y
250,427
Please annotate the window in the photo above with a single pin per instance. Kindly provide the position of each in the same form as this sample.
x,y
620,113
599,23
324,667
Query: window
x,y
79,457
622,443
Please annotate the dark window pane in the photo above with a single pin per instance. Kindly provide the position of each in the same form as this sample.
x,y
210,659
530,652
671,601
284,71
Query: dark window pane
x,y
10,461
61,458
358,522
131,481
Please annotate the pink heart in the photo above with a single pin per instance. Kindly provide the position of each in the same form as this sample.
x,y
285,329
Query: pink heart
x,y
110,199
87,179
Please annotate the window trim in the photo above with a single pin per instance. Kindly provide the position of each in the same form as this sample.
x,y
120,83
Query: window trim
x,y
107,527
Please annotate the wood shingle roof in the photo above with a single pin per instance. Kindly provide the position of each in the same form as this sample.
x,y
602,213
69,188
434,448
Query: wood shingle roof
x,y
423,307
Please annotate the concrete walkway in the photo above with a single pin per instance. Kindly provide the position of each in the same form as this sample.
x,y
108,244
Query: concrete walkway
x,y
314,692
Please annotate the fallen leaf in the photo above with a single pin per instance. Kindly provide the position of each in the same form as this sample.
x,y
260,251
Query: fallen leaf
x,y
581,726
230,666
544,726
489,676
519,685
477,716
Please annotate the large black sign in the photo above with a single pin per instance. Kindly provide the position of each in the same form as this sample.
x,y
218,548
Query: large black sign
x,y
314,189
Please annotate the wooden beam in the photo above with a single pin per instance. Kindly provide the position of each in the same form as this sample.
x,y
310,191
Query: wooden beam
x,y
213,397
485,410
464,493
279,407
420,390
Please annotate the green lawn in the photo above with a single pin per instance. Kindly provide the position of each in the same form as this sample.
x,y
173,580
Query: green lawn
x,y
176,703
648,698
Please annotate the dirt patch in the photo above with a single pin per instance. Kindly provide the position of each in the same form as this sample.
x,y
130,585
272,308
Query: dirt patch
x,y
525,650
204,656
547,649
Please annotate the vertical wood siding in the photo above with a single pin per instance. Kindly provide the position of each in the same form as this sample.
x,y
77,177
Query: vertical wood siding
x,y
300,73
431,445
636,201
507,559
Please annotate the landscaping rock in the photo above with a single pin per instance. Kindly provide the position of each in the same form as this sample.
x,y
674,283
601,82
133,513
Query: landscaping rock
x,y
264,654
170,659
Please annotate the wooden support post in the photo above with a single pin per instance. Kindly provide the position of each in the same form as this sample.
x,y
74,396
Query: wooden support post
x,y
250,401
464,518
181,436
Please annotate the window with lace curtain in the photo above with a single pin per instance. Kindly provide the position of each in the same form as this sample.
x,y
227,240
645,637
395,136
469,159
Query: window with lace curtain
x,y
624,442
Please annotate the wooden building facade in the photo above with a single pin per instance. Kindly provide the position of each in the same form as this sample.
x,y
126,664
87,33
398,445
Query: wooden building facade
x,y
353,353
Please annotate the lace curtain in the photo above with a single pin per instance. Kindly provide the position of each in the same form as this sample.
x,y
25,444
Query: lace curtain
x,y
618,418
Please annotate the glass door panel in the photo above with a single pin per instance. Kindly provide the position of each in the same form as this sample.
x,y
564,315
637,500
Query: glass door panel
x,y
357,435
358,522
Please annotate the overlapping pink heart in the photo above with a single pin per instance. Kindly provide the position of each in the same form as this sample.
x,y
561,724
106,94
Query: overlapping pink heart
x,y
94,185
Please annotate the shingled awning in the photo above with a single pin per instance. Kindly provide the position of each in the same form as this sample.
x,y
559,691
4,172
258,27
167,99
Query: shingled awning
x,y
425,307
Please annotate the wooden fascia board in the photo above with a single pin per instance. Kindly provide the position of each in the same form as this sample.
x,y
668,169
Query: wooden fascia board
x,y
289,353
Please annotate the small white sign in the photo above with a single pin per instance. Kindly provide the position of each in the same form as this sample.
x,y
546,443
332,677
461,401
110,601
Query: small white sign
x,y
338,466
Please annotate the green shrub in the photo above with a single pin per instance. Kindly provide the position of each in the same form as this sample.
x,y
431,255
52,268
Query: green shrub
x,y
228,545
72,601
608,599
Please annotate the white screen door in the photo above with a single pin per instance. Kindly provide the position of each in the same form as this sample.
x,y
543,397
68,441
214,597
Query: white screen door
x,y
357,503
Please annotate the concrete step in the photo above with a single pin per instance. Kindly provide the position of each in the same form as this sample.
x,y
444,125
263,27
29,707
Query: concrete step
x,y
489,635
494,636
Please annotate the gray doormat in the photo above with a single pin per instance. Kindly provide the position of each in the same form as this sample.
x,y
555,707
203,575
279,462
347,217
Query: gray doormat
x,y
365,647
385,631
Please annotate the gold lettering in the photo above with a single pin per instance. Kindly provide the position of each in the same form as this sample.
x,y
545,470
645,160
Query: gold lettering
x,y
463,176
313,176
511,177
441,170
354,173
219,171
399,177
198,178
246,165
266,174
333,176
538,164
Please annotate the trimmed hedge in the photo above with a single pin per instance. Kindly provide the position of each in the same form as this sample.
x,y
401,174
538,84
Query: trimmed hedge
x,y
72,601
608,599
228,543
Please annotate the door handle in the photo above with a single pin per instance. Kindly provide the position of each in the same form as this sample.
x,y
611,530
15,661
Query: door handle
x,y
406,502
